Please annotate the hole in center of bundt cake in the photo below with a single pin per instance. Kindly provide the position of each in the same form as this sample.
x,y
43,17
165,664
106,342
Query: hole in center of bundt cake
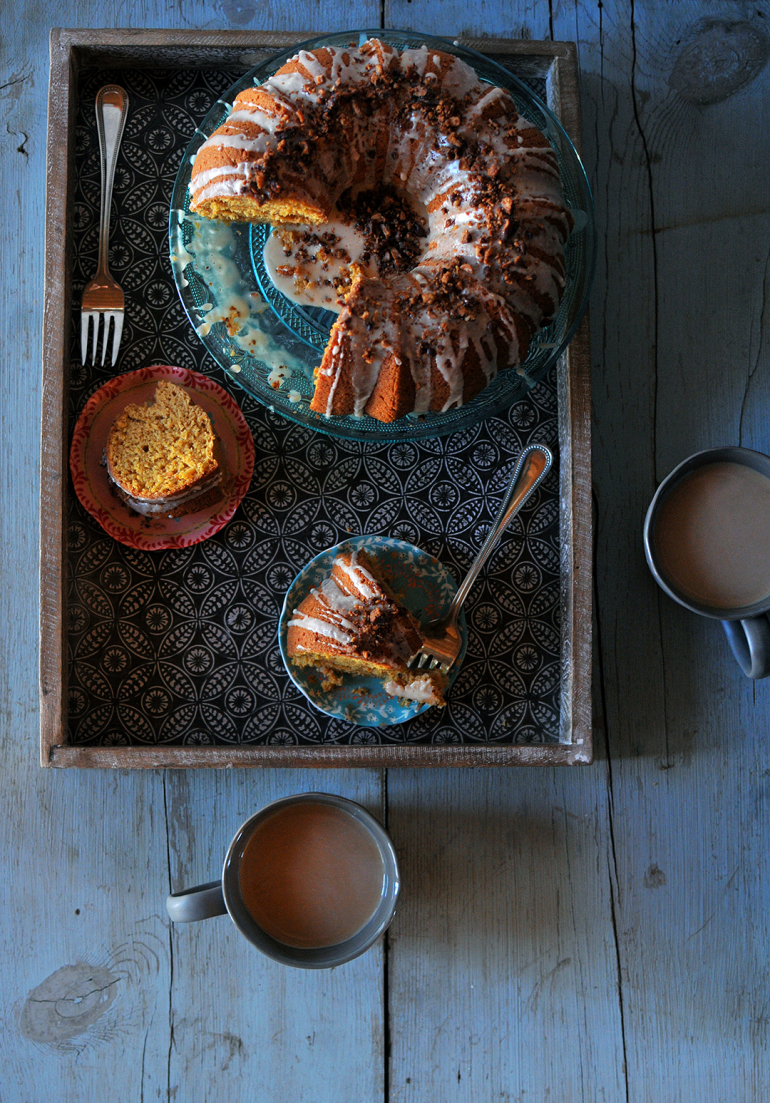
x,y
375,232
392,225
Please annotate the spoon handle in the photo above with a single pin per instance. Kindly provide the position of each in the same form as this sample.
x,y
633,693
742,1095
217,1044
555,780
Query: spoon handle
x,y
533,465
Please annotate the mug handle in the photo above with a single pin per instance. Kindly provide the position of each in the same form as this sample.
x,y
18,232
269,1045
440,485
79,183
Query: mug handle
x,y
201,902
750,643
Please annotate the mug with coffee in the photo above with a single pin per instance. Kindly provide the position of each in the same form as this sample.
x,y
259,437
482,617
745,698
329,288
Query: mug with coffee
x,y
707,543
311,880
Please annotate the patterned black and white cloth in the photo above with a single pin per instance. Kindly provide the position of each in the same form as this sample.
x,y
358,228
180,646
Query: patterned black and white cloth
x,y
180,647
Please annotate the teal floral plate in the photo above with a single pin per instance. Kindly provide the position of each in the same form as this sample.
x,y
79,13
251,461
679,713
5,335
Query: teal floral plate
x,y
418,581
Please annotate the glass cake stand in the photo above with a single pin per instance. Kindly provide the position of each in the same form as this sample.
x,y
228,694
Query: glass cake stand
x,y
271,347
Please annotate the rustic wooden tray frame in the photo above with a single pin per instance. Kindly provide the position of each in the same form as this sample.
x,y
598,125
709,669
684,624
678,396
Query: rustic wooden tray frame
x,y
74,50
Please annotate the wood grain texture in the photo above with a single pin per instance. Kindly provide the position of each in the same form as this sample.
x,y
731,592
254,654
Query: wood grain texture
x,y
574,396
86,973
487,754
53,436
678,350
503,980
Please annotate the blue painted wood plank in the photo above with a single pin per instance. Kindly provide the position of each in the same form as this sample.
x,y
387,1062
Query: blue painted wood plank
x,y
676,338
276,1032
503,973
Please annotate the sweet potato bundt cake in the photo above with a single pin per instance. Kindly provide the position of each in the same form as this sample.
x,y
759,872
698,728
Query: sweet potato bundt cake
x,y
452,292
160,456
352,624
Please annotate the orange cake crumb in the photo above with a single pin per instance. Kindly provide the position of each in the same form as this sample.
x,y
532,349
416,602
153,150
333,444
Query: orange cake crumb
x,y
163,448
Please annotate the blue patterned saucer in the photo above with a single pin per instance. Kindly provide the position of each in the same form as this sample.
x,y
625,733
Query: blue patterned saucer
x,y
419,581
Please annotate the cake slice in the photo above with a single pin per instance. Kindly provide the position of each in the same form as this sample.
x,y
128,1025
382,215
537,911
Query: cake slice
x,y
160,456
352,624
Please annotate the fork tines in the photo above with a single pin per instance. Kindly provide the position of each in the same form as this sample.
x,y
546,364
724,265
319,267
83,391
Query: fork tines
x,y
108,315
422,655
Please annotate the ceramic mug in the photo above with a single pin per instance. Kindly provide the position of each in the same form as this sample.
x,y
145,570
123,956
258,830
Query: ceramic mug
x,y
747,627
226,896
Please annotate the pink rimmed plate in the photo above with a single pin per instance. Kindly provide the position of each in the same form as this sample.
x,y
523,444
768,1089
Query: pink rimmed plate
x,y
89,475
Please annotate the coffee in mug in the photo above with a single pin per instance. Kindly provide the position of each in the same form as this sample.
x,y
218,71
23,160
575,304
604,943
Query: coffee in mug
x,y
707,543
311,875
311,880
713,535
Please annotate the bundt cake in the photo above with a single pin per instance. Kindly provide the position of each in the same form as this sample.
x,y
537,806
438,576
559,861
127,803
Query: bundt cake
x,y
352,624
457,199
160,455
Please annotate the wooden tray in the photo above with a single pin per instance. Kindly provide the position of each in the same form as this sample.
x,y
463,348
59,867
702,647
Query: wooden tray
x,y
72,52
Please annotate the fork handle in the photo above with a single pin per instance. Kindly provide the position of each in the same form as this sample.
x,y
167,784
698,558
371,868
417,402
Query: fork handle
x,y
111,111
533,465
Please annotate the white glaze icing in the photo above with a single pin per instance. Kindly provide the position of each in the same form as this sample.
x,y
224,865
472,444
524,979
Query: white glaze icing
x,y
361,581
326,628
341,615
311,280
421,689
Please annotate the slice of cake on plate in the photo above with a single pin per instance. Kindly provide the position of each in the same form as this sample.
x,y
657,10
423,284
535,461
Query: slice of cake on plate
x,y
160,456
352,624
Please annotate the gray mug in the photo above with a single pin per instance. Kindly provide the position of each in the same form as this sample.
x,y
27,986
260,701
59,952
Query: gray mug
x,y
747,628
224,896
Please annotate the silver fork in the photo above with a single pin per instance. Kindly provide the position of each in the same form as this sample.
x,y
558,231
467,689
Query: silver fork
x,y
103,298
441,637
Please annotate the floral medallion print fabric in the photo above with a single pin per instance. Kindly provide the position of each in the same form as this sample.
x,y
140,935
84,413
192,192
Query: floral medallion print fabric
x,y
181,646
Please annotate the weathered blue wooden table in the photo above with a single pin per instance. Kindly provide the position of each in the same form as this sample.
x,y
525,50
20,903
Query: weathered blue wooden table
x,y
594,933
